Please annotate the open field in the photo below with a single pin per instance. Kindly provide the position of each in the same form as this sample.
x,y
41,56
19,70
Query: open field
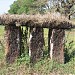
x,y
45,66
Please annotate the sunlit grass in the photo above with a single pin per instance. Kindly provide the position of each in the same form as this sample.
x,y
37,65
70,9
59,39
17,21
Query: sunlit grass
x,y
1,43
1,30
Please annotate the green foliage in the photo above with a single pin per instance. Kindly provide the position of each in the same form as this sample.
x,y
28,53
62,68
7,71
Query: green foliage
x,y
44,65
14,8
23,59
27,6
24,43
20,6
69,51
1,42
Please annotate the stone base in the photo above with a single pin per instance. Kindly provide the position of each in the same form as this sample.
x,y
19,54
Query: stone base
x,y
12,43
36,44
57,45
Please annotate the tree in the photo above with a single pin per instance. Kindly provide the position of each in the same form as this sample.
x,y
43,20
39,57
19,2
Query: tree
x,y
14,8
68,7
27,6
20,6
65,7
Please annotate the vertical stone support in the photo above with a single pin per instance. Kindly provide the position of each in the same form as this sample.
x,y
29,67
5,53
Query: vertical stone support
x,y
57,45
12,46
36,44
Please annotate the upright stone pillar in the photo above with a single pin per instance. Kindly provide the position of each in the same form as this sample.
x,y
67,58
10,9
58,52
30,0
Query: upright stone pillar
x,y
57,45
36,44
12,45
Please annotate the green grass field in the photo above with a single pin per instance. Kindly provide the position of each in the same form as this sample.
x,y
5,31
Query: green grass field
x,y
1,44
45,66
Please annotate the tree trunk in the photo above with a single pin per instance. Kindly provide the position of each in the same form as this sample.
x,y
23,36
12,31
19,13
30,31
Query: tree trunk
x,y
57,45
12,48
36,44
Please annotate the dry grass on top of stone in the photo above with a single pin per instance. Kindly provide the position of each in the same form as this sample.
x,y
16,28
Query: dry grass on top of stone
x,y
47,20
